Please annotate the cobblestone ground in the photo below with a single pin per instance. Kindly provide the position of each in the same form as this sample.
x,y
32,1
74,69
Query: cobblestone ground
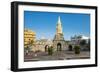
x,y
61,55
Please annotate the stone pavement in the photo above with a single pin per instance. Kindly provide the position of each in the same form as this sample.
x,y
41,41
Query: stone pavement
x,y
61,55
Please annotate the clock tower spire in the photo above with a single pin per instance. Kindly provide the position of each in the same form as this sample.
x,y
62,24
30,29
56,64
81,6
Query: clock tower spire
x,y
59,26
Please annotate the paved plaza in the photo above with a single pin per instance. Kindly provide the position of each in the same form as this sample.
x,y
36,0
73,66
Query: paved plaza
x,y
58,55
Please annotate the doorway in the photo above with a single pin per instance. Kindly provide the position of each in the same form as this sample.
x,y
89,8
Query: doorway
x,y
46,48
59,47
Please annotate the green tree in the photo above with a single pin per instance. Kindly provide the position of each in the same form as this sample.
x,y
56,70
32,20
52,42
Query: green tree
x,y
77,49
50,50
83,42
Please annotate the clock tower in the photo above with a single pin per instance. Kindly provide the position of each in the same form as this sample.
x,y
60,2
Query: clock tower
x,y
58,41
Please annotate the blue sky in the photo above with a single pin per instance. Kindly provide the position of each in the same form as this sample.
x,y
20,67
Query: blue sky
x,y
44,24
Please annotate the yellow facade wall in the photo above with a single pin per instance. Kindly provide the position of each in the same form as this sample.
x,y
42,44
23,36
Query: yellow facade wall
x,y
29,36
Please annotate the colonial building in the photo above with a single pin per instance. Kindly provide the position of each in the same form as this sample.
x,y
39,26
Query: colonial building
x,y
42,45
58,41
75,40
78,39
29,37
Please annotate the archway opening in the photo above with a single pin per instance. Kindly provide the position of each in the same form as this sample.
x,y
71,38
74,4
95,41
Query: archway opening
x,y
59,47
46,48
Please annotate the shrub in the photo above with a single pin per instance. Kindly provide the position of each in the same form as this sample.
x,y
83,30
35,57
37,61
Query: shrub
x,y
50,51
77,49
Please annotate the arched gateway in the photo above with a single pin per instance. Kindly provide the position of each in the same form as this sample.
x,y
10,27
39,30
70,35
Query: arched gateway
x,y
59,47
46,48
58,41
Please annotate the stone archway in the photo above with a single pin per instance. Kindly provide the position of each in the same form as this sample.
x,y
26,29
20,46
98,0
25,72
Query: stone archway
x,y
46,48
59,47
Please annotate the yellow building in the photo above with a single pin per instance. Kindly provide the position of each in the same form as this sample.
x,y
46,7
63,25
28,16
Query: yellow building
x,y
29,37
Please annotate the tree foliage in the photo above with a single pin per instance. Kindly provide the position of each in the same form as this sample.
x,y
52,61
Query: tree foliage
x,y
83,42
50,50
77,49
